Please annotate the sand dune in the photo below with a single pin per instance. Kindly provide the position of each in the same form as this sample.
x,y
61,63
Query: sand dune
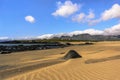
x,y
103,58
72,71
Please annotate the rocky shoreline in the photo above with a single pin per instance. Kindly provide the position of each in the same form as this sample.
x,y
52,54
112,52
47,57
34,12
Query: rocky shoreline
x,y
5,49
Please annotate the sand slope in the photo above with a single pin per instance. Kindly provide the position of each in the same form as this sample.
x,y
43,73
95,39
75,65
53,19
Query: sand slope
x,y
78,69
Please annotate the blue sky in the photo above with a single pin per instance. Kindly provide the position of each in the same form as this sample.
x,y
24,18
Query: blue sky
x,y
31,18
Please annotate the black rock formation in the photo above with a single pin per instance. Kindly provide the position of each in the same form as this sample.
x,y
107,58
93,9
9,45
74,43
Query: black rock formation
x,y
72,54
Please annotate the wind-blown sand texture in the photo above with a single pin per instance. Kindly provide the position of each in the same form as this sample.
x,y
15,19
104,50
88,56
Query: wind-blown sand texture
x,y
100,61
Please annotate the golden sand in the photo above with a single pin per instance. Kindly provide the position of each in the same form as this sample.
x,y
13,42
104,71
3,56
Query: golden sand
x,y
103,64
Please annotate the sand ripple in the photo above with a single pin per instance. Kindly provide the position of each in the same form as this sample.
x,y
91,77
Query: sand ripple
x,y
75,70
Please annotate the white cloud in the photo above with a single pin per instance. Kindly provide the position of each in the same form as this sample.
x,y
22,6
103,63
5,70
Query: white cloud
x,y
91,15
30,19
87,31
114,30
79,17
66,9
49,36
46,36
93,31
84,18
93,22
3,38
113,12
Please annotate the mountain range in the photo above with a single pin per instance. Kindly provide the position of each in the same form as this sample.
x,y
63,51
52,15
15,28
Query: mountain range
x,y
79,37
88,37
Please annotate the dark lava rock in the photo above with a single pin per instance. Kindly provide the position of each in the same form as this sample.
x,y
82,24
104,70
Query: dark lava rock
x,y
72,54
5,52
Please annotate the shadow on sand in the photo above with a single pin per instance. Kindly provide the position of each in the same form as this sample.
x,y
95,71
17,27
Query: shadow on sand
x,y
89,61
9,71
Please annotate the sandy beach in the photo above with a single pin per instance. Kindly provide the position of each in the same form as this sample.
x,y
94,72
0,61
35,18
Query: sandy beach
x,y
100,61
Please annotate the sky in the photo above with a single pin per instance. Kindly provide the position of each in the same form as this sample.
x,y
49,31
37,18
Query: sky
x,y
49,18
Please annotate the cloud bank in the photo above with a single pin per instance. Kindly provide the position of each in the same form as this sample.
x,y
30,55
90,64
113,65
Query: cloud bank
x,y
30,19
114,30
3,38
